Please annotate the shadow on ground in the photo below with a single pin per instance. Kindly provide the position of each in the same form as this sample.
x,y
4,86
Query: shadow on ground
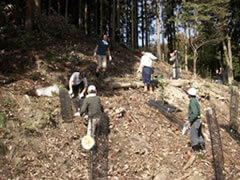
x,y
233,133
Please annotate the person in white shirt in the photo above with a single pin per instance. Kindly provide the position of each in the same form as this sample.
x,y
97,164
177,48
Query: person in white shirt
x,y
145,68
77,85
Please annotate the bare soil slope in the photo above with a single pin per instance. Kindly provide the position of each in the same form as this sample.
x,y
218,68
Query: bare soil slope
x,y
143,144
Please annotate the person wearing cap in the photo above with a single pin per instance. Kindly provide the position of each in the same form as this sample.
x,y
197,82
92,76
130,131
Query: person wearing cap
x,y
77,85
92,107
145,68
175,67
101,51
194,118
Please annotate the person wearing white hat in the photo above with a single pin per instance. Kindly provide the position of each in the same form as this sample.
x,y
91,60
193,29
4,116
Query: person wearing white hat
x,y
194,118
92,107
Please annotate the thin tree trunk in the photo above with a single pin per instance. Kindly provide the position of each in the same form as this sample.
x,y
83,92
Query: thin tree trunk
x,y
142,18
66,11
101,17
228,55
118,21
195,56
133,24
96,15
28,15
185,49
158,31
128,29
80,13
136,24
86,18
113,22
146,23
37,6
163,32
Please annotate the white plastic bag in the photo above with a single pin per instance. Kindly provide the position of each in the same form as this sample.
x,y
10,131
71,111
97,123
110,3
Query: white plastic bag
x,y
186,128
48,91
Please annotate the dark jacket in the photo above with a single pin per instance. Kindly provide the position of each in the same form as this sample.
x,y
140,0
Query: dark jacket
x,y
193,110
92,106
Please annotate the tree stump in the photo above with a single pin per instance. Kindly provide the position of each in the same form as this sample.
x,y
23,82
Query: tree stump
x,y
234,106
218,161
66,106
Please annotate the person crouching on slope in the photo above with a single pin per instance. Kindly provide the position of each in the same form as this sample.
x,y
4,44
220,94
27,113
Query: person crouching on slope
x,y
194,118
93,108
146,68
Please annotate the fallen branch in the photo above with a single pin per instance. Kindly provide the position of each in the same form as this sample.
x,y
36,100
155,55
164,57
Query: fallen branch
x,y
190,162
166,111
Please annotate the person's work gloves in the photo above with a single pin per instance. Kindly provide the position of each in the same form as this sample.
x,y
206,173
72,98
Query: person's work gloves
x,y
94,54
81,95
139,71
70,92
110,58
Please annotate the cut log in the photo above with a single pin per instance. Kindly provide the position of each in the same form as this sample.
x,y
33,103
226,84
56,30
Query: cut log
x,y
218,161
116,83
166,110
234,106
66,107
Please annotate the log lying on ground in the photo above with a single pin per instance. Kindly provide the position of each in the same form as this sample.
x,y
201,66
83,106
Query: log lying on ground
x,y
116,83
166,111
218,161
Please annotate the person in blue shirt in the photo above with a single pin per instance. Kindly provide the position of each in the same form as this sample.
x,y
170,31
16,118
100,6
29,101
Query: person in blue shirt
x,y
101,51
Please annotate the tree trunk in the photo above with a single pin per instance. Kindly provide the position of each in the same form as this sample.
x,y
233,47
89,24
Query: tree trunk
x,y
118,21
195,56
185,49
133,23
86,18
66,11
113,22
158,31
79,13
146,25
228,55
142,18
101,17
163,32
37,6
128,27
28,15
96,16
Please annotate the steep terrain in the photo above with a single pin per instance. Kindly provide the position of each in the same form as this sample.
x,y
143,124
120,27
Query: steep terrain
x,y
143,144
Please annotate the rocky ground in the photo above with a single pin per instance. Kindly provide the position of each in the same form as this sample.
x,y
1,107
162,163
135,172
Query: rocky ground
x,y
142,143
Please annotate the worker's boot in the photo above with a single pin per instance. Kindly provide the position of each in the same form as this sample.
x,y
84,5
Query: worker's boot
x,y
151,90
145,88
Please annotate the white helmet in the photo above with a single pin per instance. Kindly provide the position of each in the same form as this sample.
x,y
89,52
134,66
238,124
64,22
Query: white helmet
x,y
192,92
91,88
